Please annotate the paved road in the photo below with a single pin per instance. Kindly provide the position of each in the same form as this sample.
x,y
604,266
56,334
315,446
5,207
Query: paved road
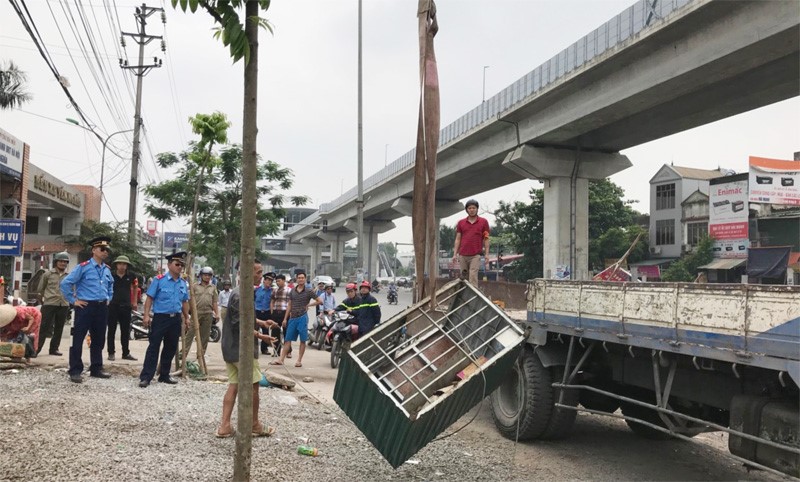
x,y
599,447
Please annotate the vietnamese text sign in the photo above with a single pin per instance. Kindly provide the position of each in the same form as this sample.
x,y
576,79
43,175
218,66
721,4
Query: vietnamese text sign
x,y
774,181
728,213
11,237
11,150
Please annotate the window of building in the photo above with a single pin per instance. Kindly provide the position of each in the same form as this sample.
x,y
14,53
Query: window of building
x,y
665,197
695,232
56,226
665,232
32,225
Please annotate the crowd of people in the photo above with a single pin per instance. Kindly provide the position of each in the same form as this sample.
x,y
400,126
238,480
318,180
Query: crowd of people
x,y
103,295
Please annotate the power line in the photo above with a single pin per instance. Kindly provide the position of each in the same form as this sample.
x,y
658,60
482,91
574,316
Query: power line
x,y
30,27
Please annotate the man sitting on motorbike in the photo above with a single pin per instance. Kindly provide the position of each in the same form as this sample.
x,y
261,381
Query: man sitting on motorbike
x,y
328,303
392,295
369,312
352,302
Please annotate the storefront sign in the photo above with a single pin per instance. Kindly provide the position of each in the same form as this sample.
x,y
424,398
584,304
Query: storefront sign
x,y
40,183
11,237
728,213
11,150
774,181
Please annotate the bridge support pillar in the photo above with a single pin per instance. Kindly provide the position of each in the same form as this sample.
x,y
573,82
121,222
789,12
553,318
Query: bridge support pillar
x,y
337,241
566,174
371,231
316,256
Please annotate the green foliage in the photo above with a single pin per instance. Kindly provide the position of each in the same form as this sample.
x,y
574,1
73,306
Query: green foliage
x,y
230,29
219,217
607,208
447,239
685,269
523,233
611,229
613,244
389,249
118,232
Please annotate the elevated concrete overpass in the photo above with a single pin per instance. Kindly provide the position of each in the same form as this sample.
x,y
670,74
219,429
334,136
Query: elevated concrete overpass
x,y
658,68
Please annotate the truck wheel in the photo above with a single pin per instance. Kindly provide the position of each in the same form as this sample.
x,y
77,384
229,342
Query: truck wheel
x,y
523,404
562,419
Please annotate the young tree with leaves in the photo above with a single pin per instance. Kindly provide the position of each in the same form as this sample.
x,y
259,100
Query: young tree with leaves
x,y
242,39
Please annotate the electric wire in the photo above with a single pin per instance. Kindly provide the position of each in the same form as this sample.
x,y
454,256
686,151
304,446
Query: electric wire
x,y
117,91
30,27
96,75
72,59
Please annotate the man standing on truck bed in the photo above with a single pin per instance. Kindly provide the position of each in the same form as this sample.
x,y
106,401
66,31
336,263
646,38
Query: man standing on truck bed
x,y
472,236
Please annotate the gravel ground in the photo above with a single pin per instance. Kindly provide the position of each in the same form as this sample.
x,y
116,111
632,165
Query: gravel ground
x,y
113,430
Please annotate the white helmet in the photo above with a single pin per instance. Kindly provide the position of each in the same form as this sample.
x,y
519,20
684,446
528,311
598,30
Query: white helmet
x,y
207,270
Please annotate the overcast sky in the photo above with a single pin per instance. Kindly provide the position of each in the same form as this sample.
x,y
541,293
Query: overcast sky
x,y
307,90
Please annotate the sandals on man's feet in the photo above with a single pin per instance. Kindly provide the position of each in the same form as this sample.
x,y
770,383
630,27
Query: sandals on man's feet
x,y
261,431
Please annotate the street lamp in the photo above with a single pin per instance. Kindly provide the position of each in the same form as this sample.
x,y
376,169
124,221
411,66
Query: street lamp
x,y
105,143
484,83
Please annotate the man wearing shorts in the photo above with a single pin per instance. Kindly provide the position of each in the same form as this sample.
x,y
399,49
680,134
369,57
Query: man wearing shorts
x,y
230,353
295,322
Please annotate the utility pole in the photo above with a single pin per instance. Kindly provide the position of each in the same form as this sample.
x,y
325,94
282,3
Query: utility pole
x,y
139,70
360,197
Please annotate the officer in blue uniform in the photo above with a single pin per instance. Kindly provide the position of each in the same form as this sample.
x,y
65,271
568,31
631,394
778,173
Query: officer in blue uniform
x,y
89,287
168,296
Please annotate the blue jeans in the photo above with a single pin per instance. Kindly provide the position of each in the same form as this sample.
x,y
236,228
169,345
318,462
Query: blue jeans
x,y
91,319
164,328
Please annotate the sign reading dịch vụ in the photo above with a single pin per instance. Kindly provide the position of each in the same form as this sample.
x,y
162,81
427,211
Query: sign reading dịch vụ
x,y
11,237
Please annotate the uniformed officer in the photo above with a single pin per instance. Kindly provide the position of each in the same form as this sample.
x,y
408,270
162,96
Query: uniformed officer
x,y
168,295
89,288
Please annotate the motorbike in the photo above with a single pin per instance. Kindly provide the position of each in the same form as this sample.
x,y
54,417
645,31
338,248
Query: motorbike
x,y
216,333
376,288
341,335
138,331
391,297
321,329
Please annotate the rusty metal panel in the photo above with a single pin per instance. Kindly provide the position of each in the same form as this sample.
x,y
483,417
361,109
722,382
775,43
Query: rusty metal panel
x,y
755,319
414,375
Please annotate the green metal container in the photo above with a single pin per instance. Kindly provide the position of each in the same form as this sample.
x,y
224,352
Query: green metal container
x,y
413,376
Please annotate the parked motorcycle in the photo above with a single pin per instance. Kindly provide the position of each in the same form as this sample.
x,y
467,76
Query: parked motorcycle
x,y
391,297
138,331
341,335
321,329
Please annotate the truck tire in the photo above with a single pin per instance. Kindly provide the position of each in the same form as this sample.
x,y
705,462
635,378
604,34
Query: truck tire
x,y
523,404
562,419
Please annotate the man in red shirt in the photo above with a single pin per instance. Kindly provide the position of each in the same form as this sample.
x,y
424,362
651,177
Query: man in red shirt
x,y
472,238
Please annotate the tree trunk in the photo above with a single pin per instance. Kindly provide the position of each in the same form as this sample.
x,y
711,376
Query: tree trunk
x,y
190,276
243,455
